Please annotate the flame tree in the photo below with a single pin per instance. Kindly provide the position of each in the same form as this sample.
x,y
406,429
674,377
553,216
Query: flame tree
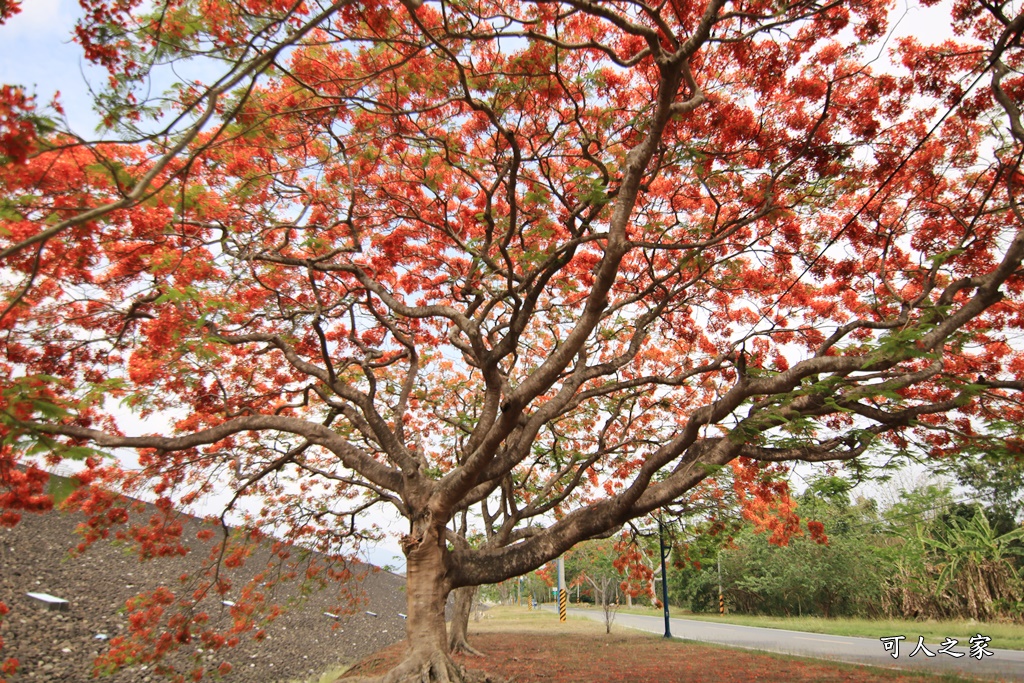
x,y
557,263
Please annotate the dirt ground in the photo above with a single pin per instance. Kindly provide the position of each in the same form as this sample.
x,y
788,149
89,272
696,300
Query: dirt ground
x,y
520,648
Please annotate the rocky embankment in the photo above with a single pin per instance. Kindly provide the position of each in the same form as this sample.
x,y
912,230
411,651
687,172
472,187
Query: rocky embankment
x,y
61,646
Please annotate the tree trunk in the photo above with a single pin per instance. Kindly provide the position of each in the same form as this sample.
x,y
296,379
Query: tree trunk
x,y
459,628
609,615
426,656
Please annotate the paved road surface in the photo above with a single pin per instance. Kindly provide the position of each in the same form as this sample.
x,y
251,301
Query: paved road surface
x,y
1007,665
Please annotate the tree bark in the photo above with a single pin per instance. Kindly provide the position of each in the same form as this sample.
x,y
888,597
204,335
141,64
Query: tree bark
x,y
426,592
459,628
426,657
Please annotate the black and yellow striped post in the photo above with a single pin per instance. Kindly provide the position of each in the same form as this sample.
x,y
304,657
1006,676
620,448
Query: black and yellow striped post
x,y
563,595
721,598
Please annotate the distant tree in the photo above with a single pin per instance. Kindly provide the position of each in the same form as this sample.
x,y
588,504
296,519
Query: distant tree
x,y
993,472
693,575
908,590
601,566
831,567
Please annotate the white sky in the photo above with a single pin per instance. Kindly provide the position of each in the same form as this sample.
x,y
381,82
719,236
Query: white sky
x,y
36,52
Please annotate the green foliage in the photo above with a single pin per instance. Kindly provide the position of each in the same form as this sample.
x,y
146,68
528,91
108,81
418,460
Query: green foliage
x,y
991,467
693,575
35,396
806,577
958,566
924,556
59,488
591,565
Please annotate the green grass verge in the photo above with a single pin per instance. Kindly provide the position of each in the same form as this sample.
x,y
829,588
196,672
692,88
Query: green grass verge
x,y
1006,636
521,619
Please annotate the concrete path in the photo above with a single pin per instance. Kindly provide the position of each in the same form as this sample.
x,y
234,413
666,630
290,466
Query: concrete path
x,y
1005,665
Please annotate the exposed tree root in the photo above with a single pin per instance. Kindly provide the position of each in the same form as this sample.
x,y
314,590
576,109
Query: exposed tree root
x,y
434,668
461,647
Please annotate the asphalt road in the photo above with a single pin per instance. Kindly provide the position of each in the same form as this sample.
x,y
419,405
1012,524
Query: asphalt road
x,y
1006,665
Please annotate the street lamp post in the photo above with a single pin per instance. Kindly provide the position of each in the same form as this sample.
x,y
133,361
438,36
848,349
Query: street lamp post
x,y
664,576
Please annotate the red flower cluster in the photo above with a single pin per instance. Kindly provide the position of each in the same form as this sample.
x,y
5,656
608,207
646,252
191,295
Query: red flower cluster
x,y
10,666
17,134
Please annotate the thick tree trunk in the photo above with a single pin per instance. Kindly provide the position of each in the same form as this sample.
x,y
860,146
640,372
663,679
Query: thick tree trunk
x,y
426,658
426,592
459,628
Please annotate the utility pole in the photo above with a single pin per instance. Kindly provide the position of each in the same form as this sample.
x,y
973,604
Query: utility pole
x,y
664,576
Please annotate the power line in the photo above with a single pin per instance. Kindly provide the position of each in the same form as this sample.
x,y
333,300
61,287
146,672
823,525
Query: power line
x,y
899,167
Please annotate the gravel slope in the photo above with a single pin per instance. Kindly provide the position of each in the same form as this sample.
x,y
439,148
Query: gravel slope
x,y
60,646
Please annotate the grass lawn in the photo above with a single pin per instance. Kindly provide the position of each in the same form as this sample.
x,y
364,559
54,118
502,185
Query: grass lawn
x,y
530,646
1007,636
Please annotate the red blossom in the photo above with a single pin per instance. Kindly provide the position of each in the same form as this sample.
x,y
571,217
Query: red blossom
x,y
817,531
17,133
10,666
8,8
